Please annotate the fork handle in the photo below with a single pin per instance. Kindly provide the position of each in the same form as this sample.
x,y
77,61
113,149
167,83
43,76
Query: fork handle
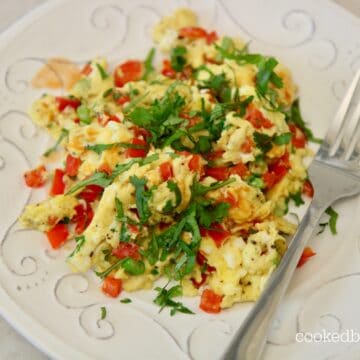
x,y
248,342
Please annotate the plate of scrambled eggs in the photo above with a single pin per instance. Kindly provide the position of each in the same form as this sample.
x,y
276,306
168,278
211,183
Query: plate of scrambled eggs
x,y
183,170
153,156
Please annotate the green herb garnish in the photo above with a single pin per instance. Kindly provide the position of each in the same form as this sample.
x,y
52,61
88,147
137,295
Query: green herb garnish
x,y
165,299
64,133
177,58
104,75
103,313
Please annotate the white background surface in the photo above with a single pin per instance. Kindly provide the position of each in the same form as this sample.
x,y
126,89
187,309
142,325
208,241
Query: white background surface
x,y
12,345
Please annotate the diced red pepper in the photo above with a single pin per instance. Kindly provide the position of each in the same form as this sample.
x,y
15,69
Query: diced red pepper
x,y
112,287
214,155
86,70
72,165
127,250
35,178
230,199
105,168
218,234
239,169
197,284
202,261
166,171
123,99
91,193
256,118
57,235
141,132
130,70
82,218
135,153
195,32
210,302
64,102
308,189
219,173
58,185
298,137
167,70
211,37
277,171
195,164
247,145
306,255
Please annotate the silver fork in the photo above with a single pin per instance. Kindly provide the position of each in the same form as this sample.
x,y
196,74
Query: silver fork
x,y
335,174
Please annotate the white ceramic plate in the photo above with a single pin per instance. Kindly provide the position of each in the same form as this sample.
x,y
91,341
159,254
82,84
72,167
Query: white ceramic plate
x,y
58,311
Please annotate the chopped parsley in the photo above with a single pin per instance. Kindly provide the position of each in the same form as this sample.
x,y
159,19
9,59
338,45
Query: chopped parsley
x,y
294,116
142,197
104,75
297,198
80,241
333,216
177,58
83,112
103,312
64,134
148,64
126,301
165,298
99,148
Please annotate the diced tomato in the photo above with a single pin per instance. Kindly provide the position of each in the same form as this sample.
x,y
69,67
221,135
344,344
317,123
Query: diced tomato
x,y
35,178
197,284
72,165
123,99
195,164
218,173
91,193
166,171
64,102
193,32
256,118
82,218
86,70
218,234
167,70
306,255
58,185
57,235
298,137
308,189
210,302
135,153
130,70
127,250
239,169
112,287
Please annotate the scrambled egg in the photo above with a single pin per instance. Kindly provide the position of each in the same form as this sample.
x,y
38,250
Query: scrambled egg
x,y
182,172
